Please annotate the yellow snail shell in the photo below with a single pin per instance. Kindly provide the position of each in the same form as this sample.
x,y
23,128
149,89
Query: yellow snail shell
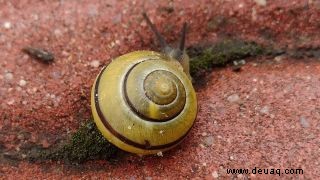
x,y
143,102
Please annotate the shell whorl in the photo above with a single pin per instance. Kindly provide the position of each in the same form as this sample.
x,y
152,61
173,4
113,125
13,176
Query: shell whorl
x,y
154,93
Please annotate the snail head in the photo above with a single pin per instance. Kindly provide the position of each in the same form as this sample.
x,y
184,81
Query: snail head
x,y
174,53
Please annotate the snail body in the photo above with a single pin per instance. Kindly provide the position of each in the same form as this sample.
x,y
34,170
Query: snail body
x,y
144,102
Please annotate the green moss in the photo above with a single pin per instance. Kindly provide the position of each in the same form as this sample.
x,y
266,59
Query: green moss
x,y
85,144
221,53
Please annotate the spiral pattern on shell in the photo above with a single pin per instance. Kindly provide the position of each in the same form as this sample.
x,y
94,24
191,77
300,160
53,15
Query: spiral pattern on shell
x,y
143,103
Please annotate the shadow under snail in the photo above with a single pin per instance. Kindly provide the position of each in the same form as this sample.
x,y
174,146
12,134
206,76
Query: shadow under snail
x,y
143,102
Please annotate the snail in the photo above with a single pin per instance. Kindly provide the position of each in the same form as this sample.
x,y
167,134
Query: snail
x,y
143,102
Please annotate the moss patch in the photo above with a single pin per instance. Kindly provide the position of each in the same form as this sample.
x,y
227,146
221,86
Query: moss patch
x,y
221,53
85,144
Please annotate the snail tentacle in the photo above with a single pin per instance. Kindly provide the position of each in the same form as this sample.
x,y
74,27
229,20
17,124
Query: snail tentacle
x,y
160,38
183,37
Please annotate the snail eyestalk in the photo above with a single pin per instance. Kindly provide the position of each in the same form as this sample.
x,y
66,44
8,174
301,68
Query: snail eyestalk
x,y
159,37
183,37
181,54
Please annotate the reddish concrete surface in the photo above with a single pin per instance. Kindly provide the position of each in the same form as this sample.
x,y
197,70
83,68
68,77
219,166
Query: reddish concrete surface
x,y
266,116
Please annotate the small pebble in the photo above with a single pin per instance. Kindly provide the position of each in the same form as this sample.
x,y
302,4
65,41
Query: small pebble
x,y
47,95
34,89
242,62
264,110
238,64
22,83
215,174
304,122
11,102
7,25
95,63
234,98
261,2
160,154
208,141
278,58
57,32
65,53
56,75
8,76
112,44
204,164
35,17
231,158
240,176
204,134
